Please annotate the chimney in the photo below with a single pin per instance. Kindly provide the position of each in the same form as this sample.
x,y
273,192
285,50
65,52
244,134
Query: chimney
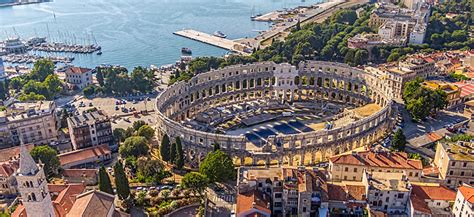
x,y
354,153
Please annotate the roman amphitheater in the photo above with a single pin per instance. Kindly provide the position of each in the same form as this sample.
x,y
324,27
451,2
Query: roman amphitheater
x,y
273,114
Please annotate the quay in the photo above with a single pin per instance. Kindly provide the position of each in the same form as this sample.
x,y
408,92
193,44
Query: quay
x,y
214,40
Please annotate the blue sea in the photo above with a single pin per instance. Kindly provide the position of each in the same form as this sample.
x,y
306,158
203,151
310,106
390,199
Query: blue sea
x,y
138,32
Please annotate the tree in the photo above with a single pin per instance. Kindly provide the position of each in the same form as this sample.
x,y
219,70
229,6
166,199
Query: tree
x,y
137,124
173,153
100,77
146,131
119,134
41,69
134,146
121,181
399,140
165,148
216,146
48,157
179,161
421,101
89,90
217,166
104,181
195,182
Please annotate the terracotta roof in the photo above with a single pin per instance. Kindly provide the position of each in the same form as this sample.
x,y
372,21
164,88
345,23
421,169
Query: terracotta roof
x,y
64,201
80,155
252,200
346,192
20,211
375,213
7,169
434,136
7,154
440,192
92,203
431,171
89,173
467,88
381,159
77,70
419,204
467,192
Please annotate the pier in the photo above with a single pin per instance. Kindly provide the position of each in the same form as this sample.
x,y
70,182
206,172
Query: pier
x,y
213,40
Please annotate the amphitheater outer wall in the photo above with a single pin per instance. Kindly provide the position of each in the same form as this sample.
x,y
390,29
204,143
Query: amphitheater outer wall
x,y
311,81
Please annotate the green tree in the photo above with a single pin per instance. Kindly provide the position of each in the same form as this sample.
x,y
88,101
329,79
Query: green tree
x,y
399,140
179,161
217,166
195,182
100,77
42,69
173,153
104,181
119,134
121,181
165,148
137,124
89,90
146,131
48,156
134,146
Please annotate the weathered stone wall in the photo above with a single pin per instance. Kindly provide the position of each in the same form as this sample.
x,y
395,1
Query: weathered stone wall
x,y
312,81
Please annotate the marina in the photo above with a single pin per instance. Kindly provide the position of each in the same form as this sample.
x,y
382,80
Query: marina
x,y
29,59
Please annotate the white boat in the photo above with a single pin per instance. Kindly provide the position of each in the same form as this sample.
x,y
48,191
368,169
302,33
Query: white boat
x,y
220,34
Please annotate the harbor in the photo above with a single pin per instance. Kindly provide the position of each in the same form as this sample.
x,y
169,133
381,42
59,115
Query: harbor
x,y
215,41
30,59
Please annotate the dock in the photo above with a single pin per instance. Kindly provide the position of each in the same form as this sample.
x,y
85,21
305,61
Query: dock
x,y
213,40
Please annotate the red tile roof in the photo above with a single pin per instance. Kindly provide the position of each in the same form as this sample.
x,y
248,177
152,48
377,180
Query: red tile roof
x,y
381,159
80,155
431,171
467,88
77,70
252,200
7,169
64,202
440,192
7,154
89,173
467,192
346,192
419,204
20,211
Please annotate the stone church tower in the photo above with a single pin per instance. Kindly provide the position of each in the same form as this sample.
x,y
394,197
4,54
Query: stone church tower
x,y
33,187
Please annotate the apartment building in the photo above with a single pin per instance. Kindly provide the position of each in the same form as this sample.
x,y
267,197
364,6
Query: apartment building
x,y
352,167
455,162
387,192
453,93
90,129
429,199
77,77
464,204
7,177
396,75
286,191
29,122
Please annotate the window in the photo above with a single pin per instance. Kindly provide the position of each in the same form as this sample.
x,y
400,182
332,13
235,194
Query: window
x,y
453,163
304,209
462,173
277,195
386,199
277,204
345,177
451,172
464,164
355,170
400,196
346,169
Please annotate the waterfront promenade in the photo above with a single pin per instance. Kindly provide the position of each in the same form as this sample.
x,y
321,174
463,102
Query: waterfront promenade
x,y
213,40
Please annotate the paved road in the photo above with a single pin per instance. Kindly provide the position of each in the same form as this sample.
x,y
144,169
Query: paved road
x,y
412,129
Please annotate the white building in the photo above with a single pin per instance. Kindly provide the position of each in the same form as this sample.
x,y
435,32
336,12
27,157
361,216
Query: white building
x,y
464,204
387,192
33,186
79,77
418,34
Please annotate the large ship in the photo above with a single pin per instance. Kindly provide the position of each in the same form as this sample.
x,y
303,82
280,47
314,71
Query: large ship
x,y
220,34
